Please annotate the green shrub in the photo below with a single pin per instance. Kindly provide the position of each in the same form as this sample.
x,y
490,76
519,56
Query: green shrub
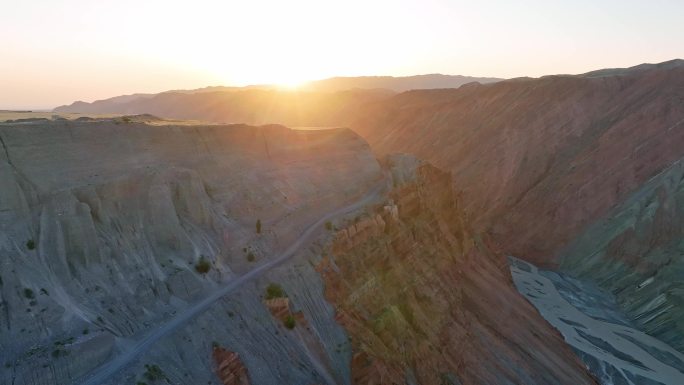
x,y
273,290
289,322
329,226
153,373
59,352
251,257
202,266
258,226
30,244
28,293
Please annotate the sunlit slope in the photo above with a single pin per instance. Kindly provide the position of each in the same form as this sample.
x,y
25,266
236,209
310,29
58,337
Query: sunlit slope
x,y
539,159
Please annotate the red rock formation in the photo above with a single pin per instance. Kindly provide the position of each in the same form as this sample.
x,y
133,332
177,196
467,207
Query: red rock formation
x,y
539,159
280,309
229,367
422,295
360,231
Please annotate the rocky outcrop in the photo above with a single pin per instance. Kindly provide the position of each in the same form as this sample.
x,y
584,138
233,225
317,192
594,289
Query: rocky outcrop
x,y
229,368
361,231
539,159
425,302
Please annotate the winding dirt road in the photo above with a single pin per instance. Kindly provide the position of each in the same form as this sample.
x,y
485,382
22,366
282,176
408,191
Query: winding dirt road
x,y
102,373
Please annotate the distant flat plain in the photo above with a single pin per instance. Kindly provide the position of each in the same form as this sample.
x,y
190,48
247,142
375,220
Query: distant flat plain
x,y
6,115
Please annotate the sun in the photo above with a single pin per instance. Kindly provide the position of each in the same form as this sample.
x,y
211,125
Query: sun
x,y
287,77
291,84
291,76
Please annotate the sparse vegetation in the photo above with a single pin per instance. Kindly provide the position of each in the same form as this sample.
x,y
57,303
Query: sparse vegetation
x,y
329,226
28,293
273,290
59,352
153,373
289,322
202,266
30,244
258,226
250,257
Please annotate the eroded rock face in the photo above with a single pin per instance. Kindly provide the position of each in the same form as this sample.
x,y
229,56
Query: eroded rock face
x,y
103,224
635,252
539,159
425,302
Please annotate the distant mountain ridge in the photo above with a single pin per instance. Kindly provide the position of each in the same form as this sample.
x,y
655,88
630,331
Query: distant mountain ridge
x,y
396,84
389,84
258,106
670,64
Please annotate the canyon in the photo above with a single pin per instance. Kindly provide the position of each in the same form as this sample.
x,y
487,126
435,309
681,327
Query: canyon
x,y
521,231
147,220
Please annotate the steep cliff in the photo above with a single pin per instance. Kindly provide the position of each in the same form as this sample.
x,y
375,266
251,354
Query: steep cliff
x,y
425,302
528,153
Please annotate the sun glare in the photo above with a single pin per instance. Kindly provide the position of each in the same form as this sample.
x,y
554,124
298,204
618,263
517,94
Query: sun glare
x,y
290,84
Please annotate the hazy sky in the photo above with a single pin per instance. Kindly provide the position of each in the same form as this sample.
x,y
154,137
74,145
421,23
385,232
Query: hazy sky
x,y
57,51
